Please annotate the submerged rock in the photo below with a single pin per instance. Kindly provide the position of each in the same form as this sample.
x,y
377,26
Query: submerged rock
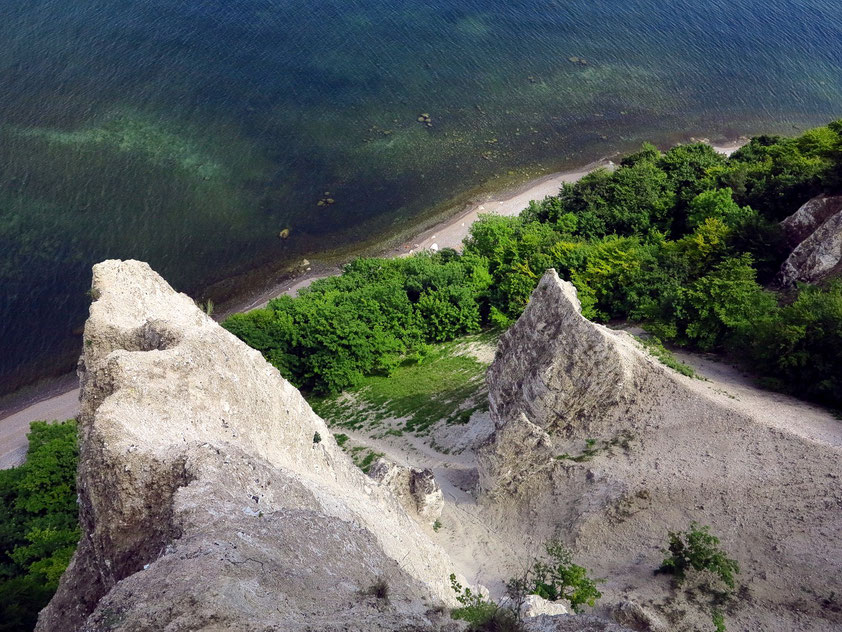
x,y
205,503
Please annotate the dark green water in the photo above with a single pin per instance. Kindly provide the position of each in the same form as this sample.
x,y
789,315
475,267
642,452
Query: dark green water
x,y
190,133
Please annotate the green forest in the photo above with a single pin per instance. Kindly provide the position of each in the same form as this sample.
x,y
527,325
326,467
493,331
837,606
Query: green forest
x,y
686,243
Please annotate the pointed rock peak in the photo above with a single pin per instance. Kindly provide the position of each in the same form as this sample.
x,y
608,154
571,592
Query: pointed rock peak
x,y
205,502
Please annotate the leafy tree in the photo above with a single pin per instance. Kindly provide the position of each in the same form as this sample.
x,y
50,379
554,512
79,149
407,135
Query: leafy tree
x,y
715,204
772,175
628,201
723,302
799,347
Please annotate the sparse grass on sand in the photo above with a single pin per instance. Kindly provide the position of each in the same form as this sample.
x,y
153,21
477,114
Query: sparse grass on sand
x,y
656,348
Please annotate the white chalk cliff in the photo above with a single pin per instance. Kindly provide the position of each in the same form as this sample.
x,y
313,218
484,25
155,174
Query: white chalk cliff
x,y
815,232
206,504
599,444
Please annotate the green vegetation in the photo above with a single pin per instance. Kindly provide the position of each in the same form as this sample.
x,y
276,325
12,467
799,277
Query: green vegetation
x,y
38,523
442,383
364,457
317,438
437,525
368,319
682,242
698,550
592,448
555,577
654,346
718,621
479,612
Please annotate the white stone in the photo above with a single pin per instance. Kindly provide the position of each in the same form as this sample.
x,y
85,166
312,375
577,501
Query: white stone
x,y
154,373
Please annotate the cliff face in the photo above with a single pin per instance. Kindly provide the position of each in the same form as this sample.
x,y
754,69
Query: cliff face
x,y
206,504
815,232
597,443
557,379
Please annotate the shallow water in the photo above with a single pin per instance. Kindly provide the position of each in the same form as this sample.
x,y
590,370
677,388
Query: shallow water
x,y
189,134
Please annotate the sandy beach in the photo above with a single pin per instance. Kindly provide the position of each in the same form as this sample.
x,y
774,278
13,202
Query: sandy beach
x,y
14,423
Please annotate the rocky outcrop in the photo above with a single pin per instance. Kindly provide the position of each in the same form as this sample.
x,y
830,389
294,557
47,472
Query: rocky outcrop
x,y
812,214
416,489
636,617
558,378
599,445
580,623
815,232
536,606
205,502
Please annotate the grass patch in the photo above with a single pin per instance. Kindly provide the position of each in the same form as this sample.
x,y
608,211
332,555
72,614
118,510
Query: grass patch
x,y
592,448
445,383
364,457
655,347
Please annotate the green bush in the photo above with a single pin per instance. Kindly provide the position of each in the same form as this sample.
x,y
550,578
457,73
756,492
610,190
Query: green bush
x,y
696,549
718,621
38,523
476,609
703,313
555,577
364,321
799,347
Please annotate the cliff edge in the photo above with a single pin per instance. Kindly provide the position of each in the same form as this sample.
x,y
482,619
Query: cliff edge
x,y
212,497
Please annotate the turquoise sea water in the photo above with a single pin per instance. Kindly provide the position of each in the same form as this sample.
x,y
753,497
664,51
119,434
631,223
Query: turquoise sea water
x,y
190,133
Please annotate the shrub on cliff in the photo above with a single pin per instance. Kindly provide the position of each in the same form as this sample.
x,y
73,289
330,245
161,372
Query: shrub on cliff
x,y
481,614
697,550
38,523
555,577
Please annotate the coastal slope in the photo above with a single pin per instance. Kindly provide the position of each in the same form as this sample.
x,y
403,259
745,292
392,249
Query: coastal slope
x,y
597,443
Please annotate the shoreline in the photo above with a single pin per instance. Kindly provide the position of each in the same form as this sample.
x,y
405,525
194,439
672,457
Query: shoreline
x,y
55,400
444,233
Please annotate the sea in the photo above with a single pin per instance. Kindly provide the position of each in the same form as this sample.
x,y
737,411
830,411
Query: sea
x,y
218,138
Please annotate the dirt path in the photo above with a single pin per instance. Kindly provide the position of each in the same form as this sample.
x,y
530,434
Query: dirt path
x,y
737,390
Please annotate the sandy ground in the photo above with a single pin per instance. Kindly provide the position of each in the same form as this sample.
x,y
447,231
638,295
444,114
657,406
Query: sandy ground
x,y
13,428
448,234
487,549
